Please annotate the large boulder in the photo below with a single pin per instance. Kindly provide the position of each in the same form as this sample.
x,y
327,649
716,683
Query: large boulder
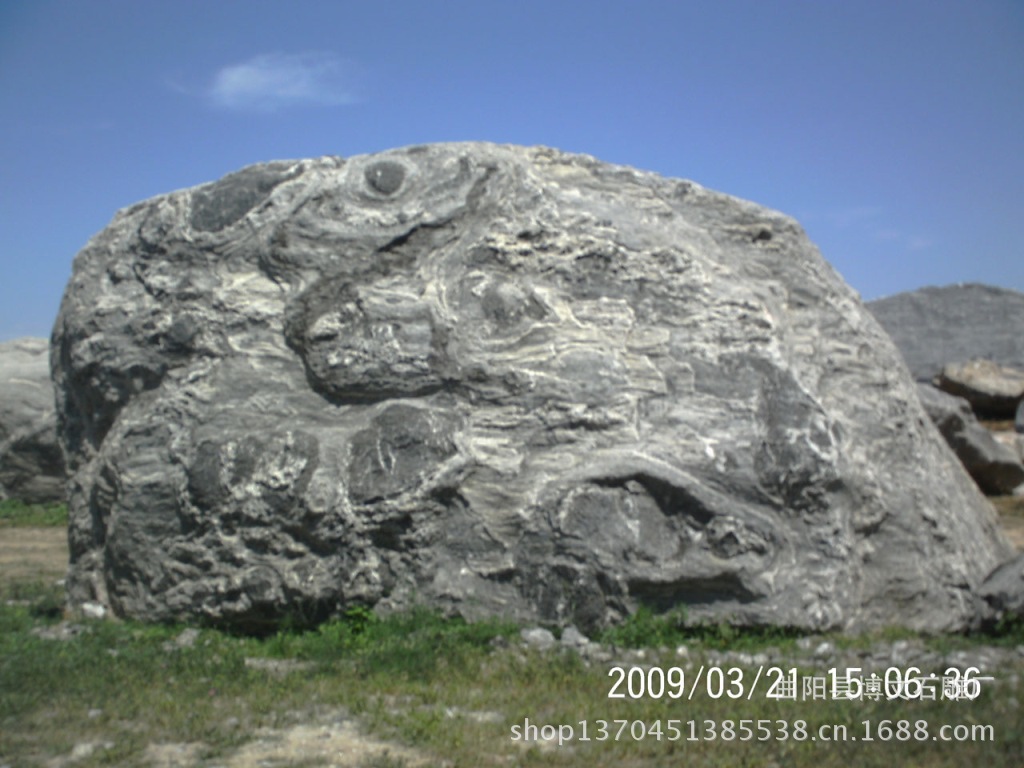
x,y
31,464
996,468
935,327
496,380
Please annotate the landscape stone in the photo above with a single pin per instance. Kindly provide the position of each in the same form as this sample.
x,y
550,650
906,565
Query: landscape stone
x,y
31,463
996,468
938,326
994,391
495,380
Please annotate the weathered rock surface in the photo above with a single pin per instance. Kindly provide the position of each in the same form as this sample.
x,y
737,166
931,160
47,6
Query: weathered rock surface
x,y
496,380
31,463
1003,591
995,467
936,327
994,391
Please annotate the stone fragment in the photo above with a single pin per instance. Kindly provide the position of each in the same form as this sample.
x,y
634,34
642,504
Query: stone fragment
x,y
1003,591
573,638
538,637
996,468
31,464
495,380
935,327
93,610
994,391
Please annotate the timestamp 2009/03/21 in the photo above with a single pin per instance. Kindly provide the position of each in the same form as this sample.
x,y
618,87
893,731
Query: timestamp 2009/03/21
x,y
654,682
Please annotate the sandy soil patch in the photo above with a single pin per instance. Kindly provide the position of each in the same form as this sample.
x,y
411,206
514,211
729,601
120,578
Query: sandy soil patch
x,y
29,554
335,742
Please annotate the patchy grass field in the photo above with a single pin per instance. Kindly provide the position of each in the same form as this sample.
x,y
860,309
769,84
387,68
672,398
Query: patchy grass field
x,y
419,690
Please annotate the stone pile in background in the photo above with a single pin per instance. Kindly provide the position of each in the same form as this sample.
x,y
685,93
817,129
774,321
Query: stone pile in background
x,y
935,327
966,340
995,467
31,464
994,391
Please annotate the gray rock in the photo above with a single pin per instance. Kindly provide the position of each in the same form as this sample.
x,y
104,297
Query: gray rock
x,y
1003,591
573,638
995,467
92,610
1018,424
934,327
495,380
538,637
187,639
994,391
31,463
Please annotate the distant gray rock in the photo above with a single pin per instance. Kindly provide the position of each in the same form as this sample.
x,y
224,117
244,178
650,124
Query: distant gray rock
x,y
495,380
995,467
935,327
31,464
994,391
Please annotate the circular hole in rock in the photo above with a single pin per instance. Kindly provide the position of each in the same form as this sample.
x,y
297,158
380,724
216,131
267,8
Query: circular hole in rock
x,y
385,177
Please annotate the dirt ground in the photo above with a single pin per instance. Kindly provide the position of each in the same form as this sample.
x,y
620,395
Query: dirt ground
x,y
33,554
1014,527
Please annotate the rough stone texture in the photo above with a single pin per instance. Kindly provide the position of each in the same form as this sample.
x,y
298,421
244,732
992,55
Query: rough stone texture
x,y
497,380
31,463
995,467
994,391
1003,591
934,327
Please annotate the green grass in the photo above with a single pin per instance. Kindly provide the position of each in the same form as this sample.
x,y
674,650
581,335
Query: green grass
x,y
449,689
15,513
645,629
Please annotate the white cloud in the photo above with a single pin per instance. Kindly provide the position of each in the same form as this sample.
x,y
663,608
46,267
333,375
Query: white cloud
x,y
274,81
869,221
908,241
851,215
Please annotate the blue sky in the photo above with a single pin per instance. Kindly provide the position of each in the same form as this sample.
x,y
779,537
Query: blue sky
x,y
892,129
